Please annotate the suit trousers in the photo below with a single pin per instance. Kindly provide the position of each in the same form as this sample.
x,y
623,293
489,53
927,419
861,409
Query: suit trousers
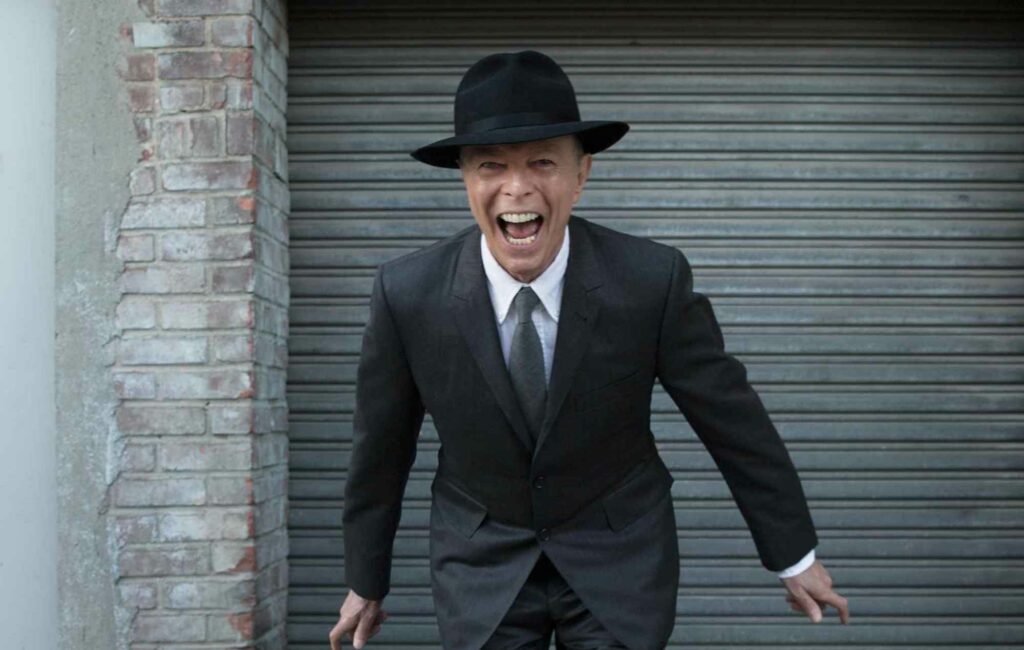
x,y
547,605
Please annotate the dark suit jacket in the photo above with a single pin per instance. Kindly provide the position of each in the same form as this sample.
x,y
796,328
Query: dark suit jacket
x,y
593,493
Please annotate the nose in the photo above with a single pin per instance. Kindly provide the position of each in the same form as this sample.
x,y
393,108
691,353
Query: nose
x,y
517,184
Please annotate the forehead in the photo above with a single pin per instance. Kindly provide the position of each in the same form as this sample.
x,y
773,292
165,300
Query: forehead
x,y
533,146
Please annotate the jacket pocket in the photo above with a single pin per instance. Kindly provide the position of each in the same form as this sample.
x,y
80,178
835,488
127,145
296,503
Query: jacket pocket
x,y
613,391
459,508
642,489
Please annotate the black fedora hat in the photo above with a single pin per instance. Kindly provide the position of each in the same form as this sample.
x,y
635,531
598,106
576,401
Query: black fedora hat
x,y
517,97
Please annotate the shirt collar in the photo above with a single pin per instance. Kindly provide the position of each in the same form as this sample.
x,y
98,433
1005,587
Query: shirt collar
x,y
504,287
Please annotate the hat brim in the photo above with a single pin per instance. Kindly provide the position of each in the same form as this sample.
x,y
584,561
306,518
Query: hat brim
x,y
596,135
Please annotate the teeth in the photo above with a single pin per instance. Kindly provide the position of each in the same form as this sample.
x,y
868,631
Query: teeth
x,y
520,241
518,217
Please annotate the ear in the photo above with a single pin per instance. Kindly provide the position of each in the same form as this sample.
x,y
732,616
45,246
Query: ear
x,y
582,175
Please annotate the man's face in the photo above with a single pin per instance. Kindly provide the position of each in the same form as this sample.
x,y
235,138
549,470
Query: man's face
x,y
521,196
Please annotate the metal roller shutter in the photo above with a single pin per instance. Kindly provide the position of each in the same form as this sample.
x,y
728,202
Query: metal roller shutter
x,y
846,181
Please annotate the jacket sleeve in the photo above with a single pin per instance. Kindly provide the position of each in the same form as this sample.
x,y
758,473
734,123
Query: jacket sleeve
x,y
386,424
711,390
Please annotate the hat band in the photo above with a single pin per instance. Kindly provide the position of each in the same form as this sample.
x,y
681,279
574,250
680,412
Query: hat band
x,y
513,119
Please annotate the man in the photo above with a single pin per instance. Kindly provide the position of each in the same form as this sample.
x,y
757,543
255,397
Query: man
x,y
534,338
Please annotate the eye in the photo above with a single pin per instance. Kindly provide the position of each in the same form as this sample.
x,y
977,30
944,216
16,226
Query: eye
x,y
489,164
545,160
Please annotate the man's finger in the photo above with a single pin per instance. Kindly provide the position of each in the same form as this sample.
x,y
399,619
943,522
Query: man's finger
x,y
362,633
338,631
809,605
840,603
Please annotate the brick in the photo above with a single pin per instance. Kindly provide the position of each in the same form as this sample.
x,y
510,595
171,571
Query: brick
x,y
141,98
207,524
230,490
277,416
234,626
164,213
189,96
235,31
218,593
202,7
164,279
213,64
135,248
240,132
134,385
213,384
268,381
231,210
206,246
160,492
238,93
218,175
136,313
139,529
231,419
264,143
189,137
232,557
272,221
231,349
272,612
138,458
273,255
180,33
177,629
162,350
271,547
217,93
278,351
142,181
137,67
137,595
272,579
271,318
192,560
203,456
272,543
184,595
273,190
233,279
161,420
271,484
142,125
271,449
206,315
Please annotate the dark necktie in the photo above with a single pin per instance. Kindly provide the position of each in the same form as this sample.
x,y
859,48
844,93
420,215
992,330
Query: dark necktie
x,y
526,362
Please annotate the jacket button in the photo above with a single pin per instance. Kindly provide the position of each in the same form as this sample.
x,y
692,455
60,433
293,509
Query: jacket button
x,y
544,533
539,481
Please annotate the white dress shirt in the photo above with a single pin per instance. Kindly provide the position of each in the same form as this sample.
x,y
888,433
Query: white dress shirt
x,y
548,287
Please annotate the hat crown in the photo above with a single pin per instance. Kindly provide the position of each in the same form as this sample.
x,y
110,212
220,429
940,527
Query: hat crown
x,y
510,89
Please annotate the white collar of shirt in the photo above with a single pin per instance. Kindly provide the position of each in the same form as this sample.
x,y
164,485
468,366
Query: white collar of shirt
x,y
547,286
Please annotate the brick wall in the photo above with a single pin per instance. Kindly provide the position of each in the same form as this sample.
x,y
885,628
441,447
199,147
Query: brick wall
x,y
198,501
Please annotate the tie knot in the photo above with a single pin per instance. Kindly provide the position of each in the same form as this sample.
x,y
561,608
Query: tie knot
x,y
524,302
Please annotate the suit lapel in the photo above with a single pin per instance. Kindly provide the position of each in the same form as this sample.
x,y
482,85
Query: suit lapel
x,y
474,315
577,317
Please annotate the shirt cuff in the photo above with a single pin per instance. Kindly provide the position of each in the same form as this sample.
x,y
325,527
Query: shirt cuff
x,y
799,567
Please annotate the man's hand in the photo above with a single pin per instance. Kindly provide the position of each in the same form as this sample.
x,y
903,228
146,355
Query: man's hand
x,y
811,590
359,619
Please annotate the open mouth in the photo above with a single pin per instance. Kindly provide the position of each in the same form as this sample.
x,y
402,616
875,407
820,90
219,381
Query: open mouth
x,y
520,228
